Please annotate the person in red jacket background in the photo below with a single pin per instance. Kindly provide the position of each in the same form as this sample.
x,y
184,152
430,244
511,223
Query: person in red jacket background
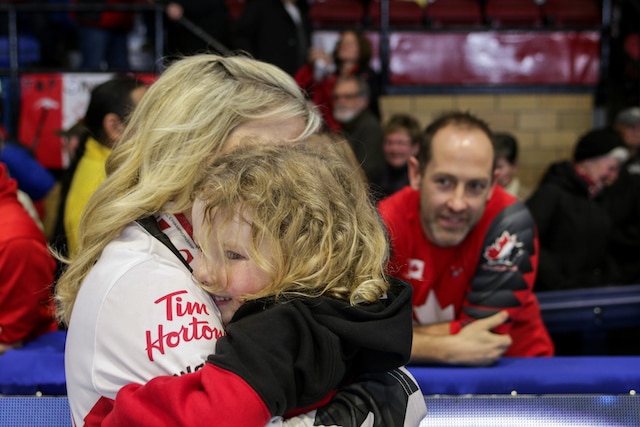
x,y
469,249
351,56
26,272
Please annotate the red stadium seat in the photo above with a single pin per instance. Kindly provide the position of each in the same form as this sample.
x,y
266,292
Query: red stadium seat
x,y
235,8
513,13
402,13
336,12
632,58
632,46
572,13
440,13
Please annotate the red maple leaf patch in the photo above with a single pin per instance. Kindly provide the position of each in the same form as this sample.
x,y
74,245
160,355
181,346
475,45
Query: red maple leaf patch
x,y
501,250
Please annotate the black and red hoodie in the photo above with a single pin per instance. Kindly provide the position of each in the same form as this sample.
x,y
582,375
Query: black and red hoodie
x,y
279,356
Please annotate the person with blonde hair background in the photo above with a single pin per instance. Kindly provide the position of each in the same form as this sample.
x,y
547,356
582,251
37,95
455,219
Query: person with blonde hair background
x,y
293,252
133,309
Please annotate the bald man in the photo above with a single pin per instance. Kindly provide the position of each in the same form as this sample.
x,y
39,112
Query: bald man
x,y
468,248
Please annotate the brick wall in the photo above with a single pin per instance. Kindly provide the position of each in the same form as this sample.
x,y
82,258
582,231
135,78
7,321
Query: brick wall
x,y
546,125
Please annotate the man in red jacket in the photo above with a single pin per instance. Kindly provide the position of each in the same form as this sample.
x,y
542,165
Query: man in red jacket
x,y
26,272
468,248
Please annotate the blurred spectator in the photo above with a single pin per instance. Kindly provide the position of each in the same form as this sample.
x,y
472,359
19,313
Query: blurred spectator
x,y
573,224
28,205
359,125
33,178
506,148
40,187
102,36
13,153
48,36
109,106
74,144
623,203
72,139
211,16
26,272
57,34
627,122
351,56
275,31
402,135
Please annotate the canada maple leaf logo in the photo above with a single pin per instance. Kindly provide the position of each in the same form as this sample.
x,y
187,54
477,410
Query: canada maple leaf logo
x,y
503,250
415,269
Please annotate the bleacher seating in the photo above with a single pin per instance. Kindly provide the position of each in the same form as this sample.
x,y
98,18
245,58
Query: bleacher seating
x,y
572,13
441,13
632,46
402,13
235,7
456,13
332,13
632,63
513,13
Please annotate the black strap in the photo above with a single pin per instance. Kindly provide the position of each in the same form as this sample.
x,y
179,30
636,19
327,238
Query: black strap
x,y
151,225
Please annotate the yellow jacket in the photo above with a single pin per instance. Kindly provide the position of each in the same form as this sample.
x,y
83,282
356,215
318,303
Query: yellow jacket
x,y
88,176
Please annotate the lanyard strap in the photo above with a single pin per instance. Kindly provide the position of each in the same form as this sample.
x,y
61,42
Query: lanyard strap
x,y
151,225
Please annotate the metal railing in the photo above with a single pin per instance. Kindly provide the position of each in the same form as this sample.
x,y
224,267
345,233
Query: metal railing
x,y
10,11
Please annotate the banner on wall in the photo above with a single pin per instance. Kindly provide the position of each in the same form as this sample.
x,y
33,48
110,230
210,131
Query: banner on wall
x,y
52,102
486,58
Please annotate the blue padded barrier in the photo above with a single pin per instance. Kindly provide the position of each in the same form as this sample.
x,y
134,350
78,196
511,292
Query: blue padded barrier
x,y
590,308
594,315
18,411
532,411
443,411
37,367
611,375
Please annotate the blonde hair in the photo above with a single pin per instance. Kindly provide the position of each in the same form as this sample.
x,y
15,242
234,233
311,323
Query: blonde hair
x,y
311,208
180,125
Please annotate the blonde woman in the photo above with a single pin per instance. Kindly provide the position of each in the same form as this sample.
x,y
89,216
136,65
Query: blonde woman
x,y
133,309
293,253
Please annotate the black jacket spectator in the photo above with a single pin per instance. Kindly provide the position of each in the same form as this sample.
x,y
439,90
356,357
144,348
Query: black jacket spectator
x,y
573,230
572,220
267,31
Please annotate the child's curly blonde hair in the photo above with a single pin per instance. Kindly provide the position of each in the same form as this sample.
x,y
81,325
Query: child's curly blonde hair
x,y
309,204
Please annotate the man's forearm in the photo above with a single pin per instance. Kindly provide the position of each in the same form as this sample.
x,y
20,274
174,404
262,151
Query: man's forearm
x,y
474,345
436,329
430,344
